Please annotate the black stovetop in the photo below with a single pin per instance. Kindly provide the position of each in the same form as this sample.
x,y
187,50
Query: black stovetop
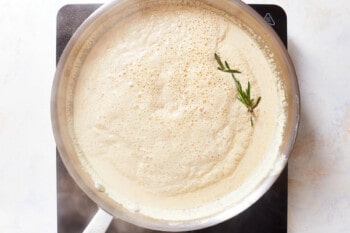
x,y
75,209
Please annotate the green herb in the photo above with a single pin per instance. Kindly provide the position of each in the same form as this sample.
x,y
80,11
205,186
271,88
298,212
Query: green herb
x,y
242,96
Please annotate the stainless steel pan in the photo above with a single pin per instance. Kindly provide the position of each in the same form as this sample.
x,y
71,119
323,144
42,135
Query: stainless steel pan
x,y
98,22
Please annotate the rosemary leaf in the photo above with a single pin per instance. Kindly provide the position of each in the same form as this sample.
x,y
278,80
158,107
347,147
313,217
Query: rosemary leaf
x,y
243,96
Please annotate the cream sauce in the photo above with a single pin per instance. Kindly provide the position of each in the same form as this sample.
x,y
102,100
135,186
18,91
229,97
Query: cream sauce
x,y
158,126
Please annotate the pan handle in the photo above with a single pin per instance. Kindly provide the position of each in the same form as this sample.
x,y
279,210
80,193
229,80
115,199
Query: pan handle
x,y
99,223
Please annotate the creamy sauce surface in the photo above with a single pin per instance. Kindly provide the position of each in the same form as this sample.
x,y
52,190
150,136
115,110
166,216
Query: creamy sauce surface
x,y
158,126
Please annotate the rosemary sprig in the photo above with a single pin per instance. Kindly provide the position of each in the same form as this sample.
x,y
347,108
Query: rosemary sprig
x,y
243,96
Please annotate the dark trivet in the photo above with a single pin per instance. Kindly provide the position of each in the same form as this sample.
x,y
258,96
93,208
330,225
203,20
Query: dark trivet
x,y
75,209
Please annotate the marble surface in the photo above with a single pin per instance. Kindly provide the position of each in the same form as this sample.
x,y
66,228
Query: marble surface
x,y
319,168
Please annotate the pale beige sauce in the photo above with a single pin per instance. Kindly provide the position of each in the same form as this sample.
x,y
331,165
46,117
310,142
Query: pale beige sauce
x,y
158,126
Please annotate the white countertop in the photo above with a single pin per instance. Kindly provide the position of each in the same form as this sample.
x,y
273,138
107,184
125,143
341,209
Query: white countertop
x,y
319,168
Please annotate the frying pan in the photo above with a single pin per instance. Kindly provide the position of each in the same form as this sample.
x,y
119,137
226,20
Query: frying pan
x,y
99,22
